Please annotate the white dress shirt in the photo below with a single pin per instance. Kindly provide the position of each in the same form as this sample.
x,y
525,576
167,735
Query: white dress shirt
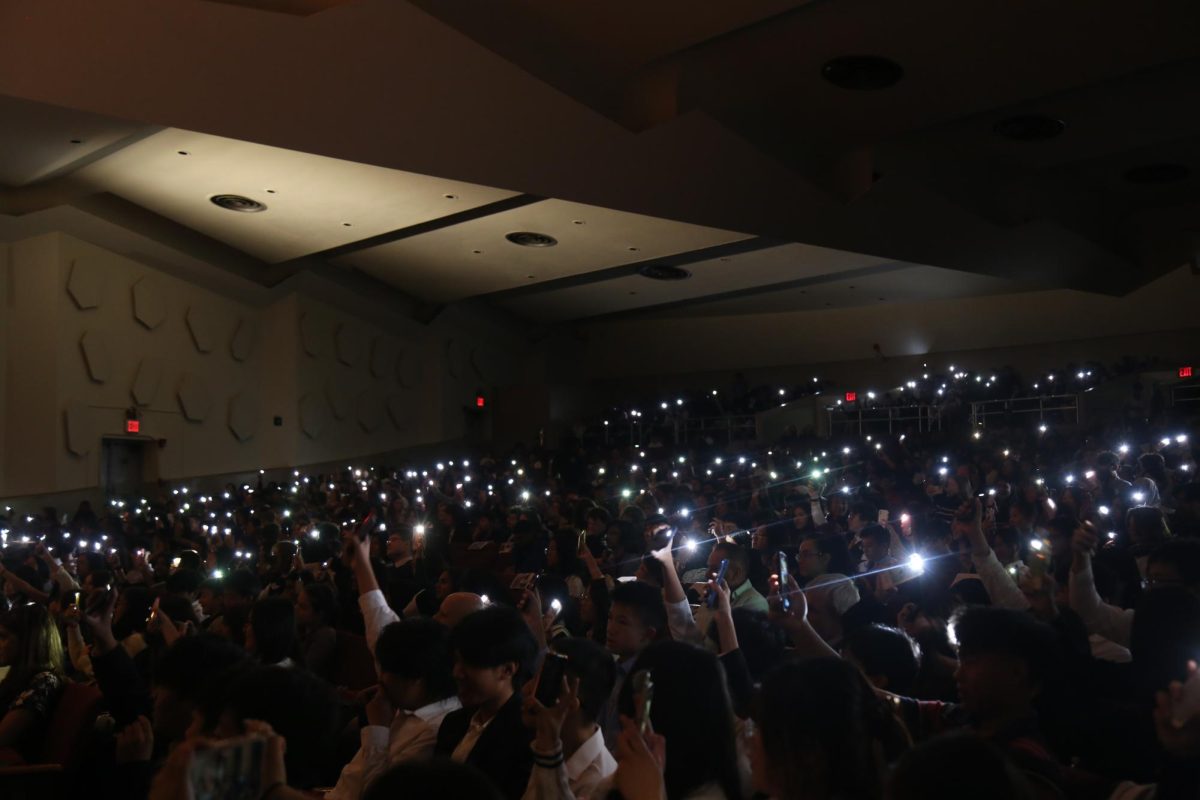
x,y
578,776
411,736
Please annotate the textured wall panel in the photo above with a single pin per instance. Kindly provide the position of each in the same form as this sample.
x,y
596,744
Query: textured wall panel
x,y
349,343
96,358
383,356
314,415
79,436
314,335
243,416
408,367
397,410
149,307
339,398
369,408
85,284
194,398
203,327
245,337
147,380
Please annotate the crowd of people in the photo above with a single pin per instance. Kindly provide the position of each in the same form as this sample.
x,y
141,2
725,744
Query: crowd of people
x,y
1010,613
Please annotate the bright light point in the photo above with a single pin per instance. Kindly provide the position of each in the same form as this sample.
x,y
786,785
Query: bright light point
x,y
216,573
816,473
878,446
1070,479
602,470
1123,448
1036,544
904,519
870,395
683,512
1181,438
626,493
1164,441
942,470
1042,428
419,530
1138,497
742,460
1104,510
717,460
774,476
525,495
845,451
690,545
484,599
916,563
845,490
782,392
556,605
977,435
1039,481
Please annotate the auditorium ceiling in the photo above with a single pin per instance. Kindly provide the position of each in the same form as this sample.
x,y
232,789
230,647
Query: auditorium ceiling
x,y
562,162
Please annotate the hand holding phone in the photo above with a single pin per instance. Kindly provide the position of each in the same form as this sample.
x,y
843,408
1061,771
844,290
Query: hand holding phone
x,y
550,679
785,600
711,600
228,768
643,696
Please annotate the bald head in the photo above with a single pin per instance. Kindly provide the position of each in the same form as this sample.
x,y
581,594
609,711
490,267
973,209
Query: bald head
x,y
456,606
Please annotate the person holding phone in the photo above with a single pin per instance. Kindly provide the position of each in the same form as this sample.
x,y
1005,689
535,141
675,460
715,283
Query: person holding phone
x,y
568,746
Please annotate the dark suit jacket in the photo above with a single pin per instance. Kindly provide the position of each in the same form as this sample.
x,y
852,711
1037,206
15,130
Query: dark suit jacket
x,y
502,751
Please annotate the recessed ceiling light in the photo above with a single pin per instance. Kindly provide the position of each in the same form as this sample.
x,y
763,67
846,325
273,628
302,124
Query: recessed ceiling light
x,y
347,224
450,196
531,239
1157,173
664,272
862,73
77,141
183,152
1029,128
236,202
578,221
270,191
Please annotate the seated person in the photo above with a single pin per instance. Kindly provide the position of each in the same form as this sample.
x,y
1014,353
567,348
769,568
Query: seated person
x,y
31,648
568,746
416,691
493,655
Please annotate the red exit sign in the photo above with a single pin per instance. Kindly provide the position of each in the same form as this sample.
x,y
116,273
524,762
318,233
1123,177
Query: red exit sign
x,y
851,397
132,426
1185,372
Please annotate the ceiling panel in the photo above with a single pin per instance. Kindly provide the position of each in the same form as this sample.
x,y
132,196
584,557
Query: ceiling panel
x,y
773,265
313,203
913,284
39,140
474,257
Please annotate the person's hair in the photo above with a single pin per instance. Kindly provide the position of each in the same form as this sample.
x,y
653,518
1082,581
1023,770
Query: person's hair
x,y
1165,636
494,636
138,600
864,510
988,630
566,541
821,707
1027,509
437,777
939,768
876,533
738,556
761,642
300,707
834,546
595,669
189,666
39,648
273,620
184,581
600,514
179,609
885,651
692,711
324,603
1184,555
644,600
1149,522
1154,465
242,582
415,649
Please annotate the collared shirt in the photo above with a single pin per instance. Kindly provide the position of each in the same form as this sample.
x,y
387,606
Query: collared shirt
x,y
467,743
579,775
412,736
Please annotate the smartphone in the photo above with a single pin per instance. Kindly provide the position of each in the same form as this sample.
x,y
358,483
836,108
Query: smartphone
x,y
229,769
882,519
785,600
549,685
643,696
711,600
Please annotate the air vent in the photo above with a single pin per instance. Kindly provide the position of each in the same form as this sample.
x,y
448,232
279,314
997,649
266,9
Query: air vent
x,y
1157,173
235,202
664,272
862,73
1029,128
531,239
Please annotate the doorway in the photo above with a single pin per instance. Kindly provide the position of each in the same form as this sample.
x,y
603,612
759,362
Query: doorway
x,y
122,466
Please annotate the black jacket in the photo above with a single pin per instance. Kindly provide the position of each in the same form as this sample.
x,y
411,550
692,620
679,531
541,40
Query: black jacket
x,y
502,751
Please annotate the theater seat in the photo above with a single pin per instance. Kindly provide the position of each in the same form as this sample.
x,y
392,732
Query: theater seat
x,y
355,663
63,750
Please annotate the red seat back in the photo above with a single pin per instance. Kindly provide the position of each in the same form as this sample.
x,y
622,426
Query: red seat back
x,y
74,717
355,664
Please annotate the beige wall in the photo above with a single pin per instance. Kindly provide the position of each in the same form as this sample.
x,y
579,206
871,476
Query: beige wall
x,y
369,381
